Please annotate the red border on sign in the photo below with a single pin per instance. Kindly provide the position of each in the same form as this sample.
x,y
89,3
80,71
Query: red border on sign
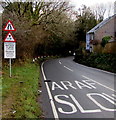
x,y
6,37
11,24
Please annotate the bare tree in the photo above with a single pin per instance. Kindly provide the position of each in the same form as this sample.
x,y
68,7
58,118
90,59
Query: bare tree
x,y
102,11
115,7
39,23
99,11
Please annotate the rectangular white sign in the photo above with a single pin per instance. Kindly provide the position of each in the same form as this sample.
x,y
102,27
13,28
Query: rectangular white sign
x,y
9,50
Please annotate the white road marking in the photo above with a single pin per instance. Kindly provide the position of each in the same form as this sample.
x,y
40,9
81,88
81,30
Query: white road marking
x,y
81,108
113,95
109,97
99,83
50,96
60,62
68,69
88,82
98,104
56,86
67,84
74,110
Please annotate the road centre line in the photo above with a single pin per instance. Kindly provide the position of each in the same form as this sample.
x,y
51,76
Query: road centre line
x,y
68,68
50,95
60,62
99,83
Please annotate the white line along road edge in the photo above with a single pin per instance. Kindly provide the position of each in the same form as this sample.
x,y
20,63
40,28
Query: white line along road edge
x,y
50,96
99,83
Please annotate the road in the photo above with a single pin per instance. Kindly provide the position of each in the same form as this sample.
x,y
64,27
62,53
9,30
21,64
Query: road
x,y
71,90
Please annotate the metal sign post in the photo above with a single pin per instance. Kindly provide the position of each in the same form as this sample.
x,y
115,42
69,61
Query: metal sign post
x,y
9,44
10,67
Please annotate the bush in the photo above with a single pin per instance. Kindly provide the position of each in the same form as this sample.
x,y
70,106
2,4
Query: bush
x,y
78,55
105,40
102,60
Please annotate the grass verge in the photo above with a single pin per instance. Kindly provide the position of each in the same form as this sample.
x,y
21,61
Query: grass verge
x,y
20,92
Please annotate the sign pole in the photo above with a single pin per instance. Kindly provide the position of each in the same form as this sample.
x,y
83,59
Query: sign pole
x,y
10,67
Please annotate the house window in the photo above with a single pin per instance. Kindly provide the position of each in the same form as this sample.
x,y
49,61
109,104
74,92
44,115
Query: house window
x,y
91,37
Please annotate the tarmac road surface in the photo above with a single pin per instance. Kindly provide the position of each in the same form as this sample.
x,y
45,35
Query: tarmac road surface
x,y
71,90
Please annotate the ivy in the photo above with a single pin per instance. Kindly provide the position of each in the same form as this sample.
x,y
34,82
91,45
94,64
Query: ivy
x,y
105,40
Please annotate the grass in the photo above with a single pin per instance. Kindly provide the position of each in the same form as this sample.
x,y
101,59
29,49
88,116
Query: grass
x,y
20,92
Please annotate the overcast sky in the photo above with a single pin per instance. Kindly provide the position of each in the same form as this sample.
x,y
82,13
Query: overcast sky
x,y
93,3
89,3
78,3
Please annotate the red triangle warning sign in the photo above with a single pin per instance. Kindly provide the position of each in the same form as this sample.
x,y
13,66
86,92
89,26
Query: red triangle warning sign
x,y
9,38
9,26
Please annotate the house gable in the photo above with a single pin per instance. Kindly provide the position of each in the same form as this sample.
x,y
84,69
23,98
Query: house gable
x,y
101,24
105,28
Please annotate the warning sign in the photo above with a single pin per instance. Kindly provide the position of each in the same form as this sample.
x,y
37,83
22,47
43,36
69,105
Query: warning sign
x,y
9,50
9,26
9,38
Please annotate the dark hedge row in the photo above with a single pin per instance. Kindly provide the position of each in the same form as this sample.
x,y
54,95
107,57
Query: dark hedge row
x,y
101,61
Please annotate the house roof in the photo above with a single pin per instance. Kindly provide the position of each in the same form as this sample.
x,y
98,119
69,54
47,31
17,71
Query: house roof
x,y
101,24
